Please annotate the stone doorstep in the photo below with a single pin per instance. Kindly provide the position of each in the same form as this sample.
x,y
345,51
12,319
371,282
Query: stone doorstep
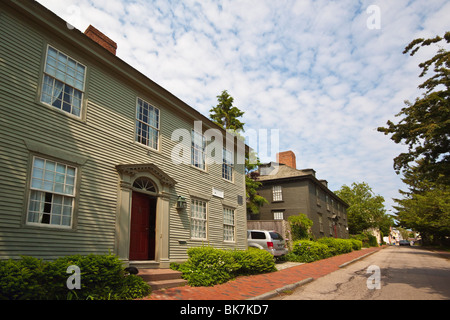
x,y
166,284
162,278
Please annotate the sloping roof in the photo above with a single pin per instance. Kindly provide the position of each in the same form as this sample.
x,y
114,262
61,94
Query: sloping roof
x,y
59,28
273,170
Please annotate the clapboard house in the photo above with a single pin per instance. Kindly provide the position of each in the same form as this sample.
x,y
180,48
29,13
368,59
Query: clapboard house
x,y
87,161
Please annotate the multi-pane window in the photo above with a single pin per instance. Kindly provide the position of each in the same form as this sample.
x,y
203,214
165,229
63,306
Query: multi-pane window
x,y
278,215
64,81
52,193
317,196
277,193
227,165
147,124
228,224
199,219
320,223
198,150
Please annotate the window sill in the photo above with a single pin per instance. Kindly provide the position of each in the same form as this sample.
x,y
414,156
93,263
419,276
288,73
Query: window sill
x,y
80,118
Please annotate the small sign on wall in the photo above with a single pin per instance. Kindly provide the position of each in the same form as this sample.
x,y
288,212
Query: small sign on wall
x,y
218,193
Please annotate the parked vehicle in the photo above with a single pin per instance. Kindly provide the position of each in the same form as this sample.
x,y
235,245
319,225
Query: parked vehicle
x,y
270,241
404,243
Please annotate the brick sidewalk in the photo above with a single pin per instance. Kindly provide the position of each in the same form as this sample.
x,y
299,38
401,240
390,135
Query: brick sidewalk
x,y
246,287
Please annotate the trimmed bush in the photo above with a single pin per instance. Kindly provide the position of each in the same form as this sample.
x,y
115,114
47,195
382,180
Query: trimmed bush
x,y
337,246
367,239
23,279
309,251
208,266
102,278
254,261
356,244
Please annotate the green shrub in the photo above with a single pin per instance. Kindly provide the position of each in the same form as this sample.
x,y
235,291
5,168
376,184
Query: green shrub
x,y
372,240
102,277
356,244
22,280
367,239
300,226
309,251
208,266
254,261
337,246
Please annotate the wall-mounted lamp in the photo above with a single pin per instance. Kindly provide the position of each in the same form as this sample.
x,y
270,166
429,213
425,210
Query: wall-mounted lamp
x,y
181,203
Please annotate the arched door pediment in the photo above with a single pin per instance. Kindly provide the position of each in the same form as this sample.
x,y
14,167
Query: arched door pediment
x,y
135,169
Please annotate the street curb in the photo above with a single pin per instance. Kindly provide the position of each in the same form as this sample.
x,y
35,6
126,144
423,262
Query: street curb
x,y
357,259
276,292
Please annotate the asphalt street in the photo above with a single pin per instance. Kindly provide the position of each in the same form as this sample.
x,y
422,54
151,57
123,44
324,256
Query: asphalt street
x,y
395,273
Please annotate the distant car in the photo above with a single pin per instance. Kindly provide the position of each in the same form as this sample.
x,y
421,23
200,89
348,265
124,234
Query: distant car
x,y
270,241
404,243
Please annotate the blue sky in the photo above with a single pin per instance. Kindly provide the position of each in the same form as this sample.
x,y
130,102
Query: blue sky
x,y
313,70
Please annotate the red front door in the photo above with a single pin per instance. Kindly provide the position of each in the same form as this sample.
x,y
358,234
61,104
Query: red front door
x,y
142,234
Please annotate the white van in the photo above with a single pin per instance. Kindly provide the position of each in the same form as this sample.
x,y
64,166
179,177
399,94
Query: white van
x,y
270,241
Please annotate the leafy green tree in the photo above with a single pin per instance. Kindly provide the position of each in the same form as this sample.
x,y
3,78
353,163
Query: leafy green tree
x,y
366,210
425,129
425,123
425,207
385,224
300,226
225,114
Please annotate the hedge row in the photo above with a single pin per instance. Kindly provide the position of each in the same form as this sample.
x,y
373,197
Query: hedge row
x,y
208,266
309,251
102,278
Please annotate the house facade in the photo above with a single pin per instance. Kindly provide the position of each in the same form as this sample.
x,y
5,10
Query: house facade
x,y
95,157
290,191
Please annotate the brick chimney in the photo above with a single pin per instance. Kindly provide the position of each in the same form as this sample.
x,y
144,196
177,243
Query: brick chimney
x,y
287,158
101,39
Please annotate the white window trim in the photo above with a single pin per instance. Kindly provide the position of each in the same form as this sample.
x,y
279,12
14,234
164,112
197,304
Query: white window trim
x,y
228,165
72,196
229,225
278,215
205,221
83,92
277,193
158,129
203,152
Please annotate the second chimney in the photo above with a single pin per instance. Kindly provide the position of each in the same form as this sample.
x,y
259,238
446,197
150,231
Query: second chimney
x,y
101,39
287,158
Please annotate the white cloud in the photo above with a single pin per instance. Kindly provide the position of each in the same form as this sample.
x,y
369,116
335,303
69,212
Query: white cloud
x,y
309,68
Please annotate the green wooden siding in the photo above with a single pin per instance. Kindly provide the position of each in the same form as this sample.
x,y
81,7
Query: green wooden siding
x,y
105,137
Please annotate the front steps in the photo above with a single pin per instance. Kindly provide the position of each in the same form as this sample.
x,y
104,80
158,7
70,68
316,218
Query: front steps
x,y
162,278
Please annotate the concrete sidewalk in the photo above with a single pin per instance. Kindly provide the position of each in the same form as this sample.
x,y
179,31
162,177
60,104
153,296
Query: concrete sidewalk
x,y
263,286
